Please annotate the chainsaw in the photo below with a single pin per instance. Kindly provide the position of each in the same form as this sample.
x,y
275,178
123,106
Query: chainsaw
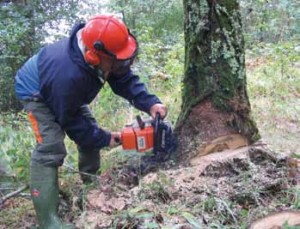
x,y
149,134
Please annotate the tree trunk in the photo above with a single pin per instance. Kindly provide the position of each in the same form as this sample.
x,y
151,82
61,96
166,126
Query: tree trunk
x,y
215,111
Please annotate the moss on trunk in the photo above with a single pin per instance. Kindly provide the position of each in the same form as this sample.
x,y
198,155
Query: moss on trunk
x,y
215,64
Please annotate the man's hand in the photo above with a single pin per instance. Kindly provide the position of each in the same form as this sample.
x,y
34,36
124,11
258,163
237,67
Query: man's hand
x,y
159,108
115,139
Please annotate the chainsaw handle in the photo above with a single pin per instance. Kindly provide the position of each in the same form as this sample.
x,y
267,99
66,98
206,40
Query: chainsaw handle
x,y
156,142
157,117
140,122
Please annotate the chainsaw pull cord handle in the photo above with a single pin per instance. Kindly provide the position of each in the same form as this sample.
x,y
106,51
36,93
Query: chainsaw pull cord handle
x,y
156,132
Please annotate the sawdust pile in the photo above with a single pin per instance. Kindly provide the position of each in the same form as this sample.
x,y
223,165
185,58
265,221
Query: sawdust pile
x,y
228,188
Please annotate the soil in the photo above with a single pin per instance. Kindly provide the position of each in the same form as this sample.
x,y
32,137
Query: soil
x,y
216,189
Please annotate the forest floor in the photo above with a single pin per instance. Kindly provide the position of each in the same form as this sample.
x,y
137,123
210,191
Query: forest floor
x,y
230,189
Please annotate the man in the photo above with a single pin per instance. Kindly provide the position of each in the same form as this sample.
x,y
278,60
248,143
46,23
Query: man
x,y
55,86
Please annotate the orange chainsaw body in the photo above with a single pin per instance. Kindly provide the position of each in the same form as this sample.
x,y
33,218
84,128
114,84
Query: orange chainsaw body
x,y
137,138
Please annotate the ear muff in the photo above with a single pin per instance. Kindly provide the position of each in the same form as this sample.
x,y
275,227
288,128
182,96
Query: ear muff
x,y
91,56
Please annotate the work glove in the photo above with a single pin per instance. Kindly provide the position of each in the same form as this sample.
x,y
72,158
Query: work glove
x,y
159,108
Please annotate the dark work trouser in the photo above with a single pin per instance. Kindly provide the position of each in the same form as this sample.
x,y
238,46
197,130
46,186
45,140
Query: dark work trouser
x,y
89,160
50,148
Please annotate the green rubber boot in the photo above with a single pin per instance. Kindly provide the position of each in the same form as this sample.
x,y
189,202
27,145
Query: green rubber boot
x,y
45,196
88,165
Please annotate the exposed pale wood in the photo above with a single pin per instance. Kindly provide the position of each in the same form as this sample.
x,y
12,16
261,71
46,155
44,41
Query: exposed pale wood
x,y
228,142
277,220
220,156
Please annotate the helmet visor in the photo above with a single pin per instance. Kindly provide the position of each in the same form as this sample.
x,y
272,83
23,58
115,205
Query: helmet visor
x,y
120,67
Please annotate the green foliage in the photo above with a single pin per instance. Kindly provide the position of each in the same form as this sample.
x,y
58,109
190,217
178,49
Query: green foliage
x,y
192,220
111,111
163,17
24,28
271,21
13,30
274,88
161,66
287,226
294,197
17,142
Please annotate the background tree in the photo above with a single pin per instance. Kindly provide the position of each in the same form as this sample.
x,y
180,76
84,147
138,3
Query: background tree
x,y
270,21
215,111
24,27
163,18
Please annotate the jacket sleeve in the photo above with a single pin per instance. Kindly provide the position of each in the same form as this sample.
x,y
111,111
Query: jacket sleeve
x,y
129,87
66,105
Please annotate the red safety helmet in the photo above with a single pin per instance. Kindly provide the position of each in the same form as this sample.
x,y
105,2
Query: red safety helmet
x,y
106,34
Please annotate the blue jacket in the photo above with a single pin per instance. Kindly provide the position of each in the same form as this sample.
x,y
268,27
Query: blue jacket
x,y
59,76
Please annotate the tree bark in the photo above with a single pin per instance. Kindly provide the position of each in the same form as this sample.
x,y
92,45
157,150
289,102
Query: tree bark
x,y
215,111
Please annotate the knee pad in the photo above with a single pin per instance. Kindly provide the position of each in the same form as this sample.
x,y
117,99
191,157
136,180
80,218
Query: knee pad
x,y
49,154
